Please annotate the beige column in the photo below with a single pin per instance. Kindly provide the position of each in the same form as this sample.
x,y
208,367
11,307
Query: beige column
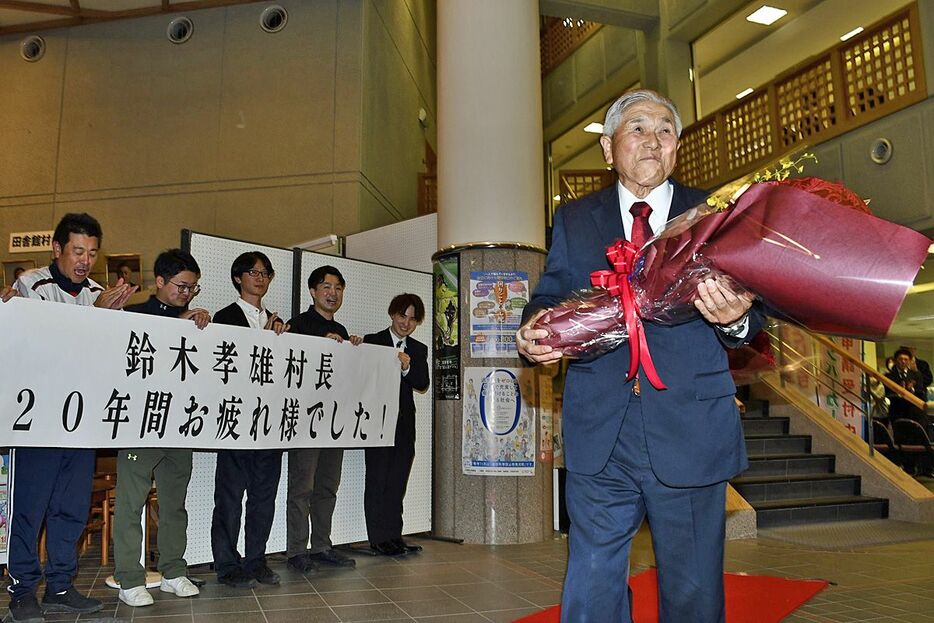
x,y
490,169
491,216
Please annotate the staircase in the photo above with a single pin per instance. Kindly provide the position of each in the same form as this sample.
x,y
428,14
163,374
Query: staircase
x,y
788,485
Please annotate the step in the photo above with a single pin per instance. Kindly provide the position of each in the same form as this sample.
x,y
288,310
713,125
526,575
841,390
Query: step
x,y
765,425
781,464
769,488
777,444
756,408
814,510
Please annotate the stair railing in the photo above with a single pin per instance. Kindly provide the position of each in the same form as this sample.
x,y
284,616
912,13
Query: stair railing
x,y
864,402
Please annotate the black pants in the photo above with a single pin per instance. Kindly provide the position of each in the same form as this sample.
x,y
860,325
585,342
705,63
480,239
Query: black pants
x,y
387,474
51,486
255,472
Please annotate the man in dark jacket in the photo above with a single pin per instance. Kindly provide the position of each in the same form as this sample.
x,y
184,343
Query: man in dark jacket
x,y
388,468
315,473
255,472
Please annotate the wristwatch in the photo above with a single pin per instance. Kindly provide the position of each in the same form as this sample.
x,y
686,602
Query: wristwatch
x,y
737,328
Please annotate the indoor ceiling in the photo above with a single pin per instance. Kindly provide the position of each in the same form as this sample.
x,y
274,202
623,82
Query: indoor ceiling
x,y
27,16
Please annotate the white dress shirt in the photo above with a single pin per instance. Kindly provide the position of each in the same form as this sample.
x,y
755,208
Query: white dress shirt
x,y
256,317
399,343
659,200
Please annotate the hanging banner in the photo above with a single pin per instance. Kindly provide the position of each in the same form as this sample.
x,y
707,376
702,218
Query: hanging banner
x,y
499,424
447,360
82,377
497,299
846,384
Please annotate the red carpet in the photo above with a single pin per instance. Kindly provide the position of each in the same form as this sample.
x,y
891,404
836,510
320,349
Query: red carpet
x,y
749,598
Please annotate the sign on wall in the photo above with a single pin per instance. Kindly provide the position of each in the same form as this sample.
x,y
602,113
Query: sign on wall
x,y
499,423
94,378
497,299
30,241
446,273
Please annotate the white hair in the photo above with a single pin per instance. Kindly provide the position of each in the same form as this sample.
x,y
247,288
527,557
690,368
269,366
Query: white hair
x,y
615,112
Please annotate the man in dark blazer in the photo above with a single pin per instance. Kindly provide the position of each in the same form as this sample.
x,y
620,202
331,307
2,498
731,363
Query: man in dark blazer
x,y
388,468
633,451
254,472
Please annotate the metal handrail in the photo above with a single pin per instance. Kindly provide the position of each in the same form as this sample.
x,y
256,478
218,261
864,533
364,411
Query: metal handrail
x,y
864,402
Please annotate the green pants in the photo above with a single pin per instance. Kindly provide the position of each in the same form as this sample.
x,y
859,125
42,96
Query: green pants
x,y
135,470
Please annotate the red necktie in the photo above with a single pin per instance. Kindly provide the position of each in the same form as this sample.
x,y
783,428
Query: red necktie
x,y
641,230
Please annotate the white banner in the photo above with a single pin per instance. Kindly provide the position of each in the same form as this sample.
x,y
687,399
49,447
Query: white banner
x,y
82,377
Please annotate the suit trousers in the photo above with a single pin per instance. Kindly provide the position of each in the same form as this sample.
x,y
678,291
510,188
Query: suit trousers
x,y
314,477
135,471
256,473
387,474
50,485
607,509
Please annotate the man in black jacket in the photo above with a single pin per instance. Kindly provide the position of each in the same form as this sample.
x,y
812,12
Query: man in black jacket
x,y
255,472
388,468
315,473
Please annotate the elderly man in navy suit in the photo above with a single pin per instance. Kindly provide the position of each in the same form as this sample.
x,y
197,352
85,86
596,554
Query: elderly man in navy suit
x,y
633,451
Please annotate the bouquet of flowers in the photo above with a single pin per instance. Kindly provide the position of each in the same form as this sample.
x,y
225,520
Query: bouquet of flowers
x,y
810,249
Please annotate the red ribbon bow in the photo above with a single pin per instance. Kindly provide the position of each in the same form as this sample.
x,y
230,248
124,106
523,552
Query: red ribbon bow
x,y
622,255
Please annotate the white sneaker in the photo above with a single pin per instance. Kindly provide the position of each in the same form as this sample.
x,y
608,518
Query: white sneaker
x,y
136,596
180,587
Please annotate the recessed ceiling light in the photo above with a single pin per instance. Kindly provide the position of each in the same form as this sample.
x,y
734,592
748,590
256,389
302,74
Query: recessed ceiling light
x,y
594,128
852,33
743,93
766,15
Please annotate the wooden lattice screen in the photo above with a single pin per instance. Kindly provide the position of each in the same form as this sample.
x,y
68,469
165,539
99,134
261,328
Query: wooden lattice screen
x,y
560,37
577,184
869,76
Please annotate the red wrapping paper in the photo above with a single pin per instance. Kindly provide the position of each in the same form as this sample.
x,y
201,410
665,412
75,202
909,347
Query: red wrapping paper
x,y
824,265
809,248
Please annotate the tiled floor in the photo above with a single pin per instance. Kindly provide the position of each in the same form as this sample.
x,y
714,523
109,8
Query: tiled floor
x,y
474,583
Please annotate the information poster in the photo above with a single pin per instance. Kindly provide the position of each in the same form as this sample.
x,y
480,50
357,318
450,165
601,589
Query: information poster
x,y
499,423
497,299
446,313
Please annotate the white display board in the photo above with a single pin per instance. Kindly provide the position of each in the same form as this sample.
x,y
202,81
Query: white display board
x,y
407,244
370,287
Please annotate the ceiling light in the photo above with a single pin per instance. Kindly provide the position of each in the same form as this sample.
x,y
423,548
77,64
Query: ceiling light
x,y
594,127
852,33
556,198
766,15
743,93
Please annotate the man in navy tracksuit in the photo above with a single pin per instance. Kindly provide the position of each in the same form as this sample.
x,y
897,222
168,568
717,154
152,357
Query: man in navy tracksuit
x,y
53,485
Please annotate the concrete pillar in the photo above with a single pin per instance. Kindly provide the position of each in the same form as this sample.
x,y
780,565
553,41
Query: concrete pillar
x,y
490,172
491,216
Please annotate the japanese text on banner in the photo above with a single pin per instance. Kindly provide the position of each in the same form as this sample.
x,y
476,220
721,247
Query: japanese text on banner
x,y
93,378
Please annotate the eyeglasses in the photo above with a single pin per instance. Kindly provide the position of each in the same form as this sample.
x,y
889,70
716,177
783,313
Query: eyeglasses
x,y
184,287
259,273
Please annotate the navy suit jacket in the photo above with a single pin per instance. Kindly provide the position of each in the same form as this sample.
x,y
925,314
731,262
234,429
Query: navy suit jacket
x,y
692,429
417,379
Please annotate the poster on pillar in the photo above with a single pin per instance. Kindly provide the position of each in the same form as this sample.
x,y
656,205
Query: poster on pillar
x,y
497,299
845,381
83,377
447,357
499,422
